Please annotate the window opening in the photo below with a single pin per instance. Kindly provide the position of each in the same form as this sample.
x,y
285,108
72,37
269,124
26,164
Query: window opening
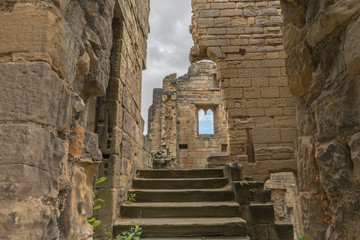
x,y
206,122
183,146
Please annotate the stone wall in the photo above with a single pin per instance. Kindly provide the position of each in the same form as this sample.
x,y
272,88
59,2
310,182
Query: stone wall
x,y
321,39
173,117
56,57
286,201
244,39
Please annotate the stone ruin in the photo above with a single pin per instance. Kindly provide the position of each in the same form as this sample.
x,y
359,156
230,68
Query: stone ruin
x,y
315,42
70,84
70,91
243,38
174,121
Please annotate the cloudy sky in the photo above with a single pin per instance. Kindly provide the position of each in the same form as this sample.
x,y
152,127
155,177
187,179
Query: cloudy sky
x,y
168,45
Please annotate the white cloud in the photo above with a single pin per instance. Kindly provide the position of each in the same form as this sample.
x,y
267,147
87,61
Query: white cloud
x,y
205,118
168,45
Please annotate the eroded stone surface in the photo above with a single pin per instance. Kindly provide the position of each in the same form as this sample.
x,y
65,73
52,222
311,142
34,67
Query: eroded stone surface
x,y
29,153
33,92
56,57
32,219
328,115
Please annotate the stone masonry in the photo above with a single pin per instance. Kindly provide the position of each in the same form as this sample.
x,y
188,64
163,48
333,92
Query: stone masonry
x,y
244,39
70,87
57,58
285,198
321,39
174,121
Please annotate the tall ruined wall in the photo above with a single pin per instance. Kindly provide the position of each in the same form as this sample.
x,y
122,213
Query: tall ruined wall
x,y
199,90
173,117
55,58
321,39
168,117
244,39
154,120
118,118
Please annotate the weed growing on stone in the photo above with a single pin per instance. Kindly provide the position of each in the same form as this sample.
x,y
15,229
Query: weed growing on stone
x,y
108,234
303,238
133,234
93,221
131,197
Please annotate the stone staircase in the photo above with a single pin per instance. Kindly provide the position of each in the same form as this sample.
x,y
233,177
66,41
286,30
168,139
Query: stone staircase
x,y
188,204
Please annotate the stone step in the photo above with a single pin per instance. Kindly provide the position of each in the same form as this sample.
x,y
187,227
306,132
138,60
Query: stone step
x,y
184,227
180,209
285,231
262,213
180,173
183,195
179,183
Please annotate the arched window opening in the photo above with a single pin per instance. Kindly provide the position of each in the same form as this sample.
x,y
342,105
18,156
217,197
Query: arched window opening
x,y
206,122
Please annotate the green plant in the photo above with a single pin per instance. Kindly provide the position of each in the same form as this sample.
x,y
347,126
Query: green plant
x,y
108,234
131,197
93,221
303,238
134,233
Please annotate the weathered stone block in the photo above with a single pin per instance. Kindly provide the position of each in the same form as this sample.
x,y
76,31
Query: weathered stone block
x,y
313,217
231,12
209,13
253,92
269,11
242,192
264,122
269,92
216,31
352,48
299,70
262,213
232,170
91,146
288,135
80,203
33,92
355,154
250,12
285,122
266,135
205,22
292,36
255,112
77,141
335,165
30,219
30,159
274,111
223,5
276,21
329,18
33,33
332,120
